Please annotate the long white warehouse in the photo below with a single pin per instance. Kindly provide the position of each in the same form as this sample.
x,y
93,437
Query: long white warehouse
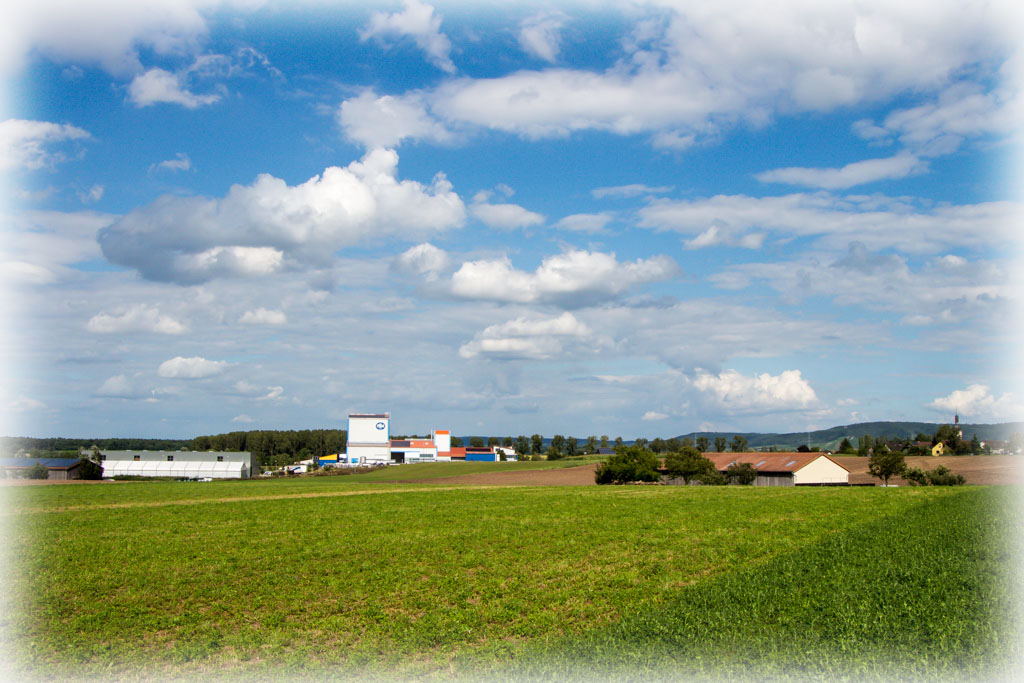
x,y
191,464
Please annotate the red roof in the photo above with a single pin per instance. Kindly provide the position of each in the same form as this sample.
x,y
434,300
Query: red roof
x,y
456,453
768,462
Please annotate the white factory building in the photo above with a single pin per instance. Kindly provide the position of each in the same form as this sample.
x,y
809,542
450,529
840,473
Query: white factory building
x,y
370,443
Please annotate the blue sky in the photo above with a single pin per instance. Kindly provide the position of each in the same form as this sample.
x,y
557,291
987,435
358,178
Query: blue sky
x,y
636,219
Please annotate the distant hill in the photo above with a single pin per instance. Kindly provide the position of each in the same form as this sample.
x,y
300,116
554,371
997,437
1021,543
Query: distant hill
x,y
830,438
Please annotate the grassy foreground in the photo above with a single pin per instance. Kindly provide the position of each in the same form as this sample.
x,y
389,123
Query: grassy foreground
x,y
569,583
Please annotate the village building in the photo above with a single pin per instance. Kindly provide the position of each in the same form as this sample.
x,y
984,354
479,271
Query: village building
x,y
786,469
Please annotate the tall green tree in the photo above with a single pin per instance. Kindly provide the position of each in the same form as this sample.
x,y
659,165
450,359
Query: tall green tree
x,y
703,445
630,463
738,444
720,444
522,445
689,464
604,441
572,446
556,451
846,447
885,464
476,441
537,444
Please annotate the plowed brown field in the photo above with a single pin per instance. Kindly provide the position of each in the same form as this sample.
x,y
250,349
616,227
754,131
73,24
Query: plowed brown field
x,y
981,469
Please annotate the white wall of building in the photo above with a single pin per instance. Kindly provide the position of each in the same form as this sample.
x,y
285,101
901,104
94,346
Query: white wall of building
x,y
443,440
822,470
369,428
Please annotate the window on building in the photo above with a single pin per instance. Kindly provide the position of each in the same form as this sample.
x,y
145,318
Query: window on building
x,y
170,458
135,458
102,457
220,458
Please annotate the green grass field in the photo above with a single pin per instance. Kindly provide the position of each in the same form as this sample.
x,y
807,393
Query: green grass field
x,y
337,577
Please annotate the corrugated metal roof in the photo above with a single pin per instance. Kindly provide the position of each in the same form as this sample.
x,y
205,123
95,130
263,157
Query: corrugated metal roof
x,y
58,463
767,462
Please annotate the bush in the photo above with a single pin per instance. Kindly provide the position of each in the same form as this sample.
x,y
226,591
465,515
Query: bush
x,y
38,471
941,476
711,478
89,470
742,473
916,476
630,463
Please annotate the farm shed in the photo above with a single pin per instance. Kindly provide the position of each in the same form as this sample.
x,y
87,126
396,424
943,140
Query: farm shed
x,y
180,464
786,469
56,468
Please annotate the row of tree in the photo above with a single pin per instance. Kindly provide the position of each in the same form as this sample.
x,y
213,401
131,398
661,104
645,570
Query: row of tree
x,y
11,446
636,463
277,447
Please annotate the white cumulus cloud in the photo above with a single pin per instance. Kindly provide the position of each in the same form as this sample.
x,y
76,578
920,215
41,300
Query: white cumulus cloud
x,y
424,260
528,338
269,226
386,120
573,278
180,162
416,21
977,401
736,392
195,367
123,386
28,144
263,316
539,34
136,318
504,216
584,222
159,86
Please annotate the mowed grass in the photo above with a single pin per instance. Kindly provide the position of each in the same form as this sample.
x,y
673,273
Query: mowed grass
x,y
519,582
16,498
441,470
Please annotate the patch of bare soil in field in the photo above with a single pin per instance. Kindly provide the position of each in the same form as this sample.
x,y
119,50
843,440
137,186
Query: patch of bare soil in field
x,y
977,469
566,476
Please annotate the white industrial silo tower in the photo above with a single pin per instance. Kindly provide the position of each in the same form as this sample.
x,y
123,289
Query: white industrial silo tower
x,y
369,439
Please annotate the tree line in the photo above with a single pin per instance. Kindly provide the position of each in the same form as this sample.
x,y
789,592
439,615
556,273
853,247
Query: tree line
x,y
11,446
276,447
